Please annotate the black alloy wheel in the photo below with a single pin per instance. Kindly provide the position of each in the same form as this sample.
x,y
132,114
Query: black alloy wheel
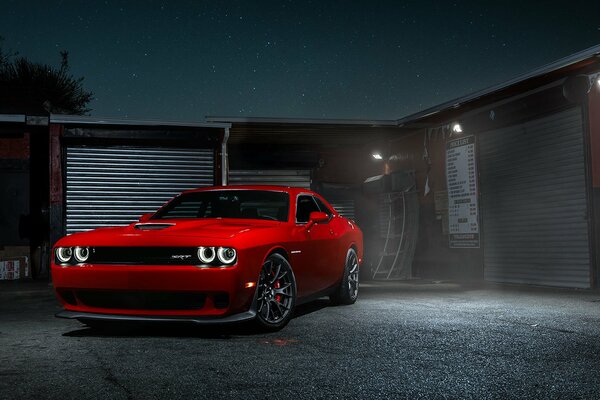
x,y
276,293
347,291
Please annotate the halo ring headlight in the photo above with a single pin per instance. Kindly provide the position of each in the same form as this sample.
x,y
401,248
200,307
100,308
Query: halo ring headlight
x,y
226,255
64,254
206,254
82,254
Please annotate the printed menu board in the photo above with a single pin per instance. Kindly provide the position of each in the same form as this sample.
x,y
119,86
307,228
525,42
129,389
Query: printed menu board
x,y
461,176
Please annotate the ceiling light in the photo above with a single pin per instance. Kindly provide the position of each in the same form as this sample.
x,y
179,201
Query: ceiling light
x,y
456,128
377,156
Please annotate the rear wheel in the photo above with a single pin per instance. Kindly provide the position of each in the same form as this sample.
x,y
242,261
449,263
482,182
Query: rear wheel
x,y
276,293
347,292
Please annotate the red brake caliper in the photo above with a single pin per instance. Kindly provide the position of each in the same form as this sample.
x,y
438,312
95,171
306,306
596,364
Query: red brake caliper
x,y
277,285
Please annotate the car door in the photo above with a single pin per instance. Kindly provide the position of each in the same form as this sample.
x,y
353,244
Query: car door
x,y
307,250
330,236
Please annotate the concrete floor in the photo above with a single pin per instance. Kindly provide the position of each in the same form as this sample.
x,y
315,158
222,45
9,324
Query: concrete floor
x,y
419,340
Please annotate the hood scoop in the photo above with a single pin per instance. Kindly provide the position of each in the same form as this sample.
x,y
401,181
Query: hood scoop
x,y
152,226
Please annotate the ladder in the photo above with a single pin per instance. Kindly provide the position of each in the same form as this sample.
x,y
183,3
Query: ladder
x,y
399,224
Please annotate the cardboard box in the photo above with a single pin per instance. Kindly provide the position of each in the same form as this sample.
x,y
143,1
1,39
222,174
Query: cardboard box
x,y
9,270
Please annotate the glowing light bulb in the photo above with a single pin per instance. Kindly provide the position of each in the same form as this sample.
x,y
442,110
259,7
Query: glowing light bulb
x,y
456,128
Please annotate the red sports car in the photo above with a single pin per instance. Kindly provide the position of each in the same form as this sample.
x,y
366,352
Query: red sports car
x,y
212,255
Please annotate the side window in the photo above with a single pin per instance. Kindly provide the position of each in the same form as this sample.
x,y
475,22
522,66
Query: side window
x,y
323,207
306,205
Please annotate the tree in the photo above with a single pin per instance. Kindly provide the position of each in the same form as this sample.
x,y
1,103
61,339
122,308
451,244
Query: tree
x,y
28,87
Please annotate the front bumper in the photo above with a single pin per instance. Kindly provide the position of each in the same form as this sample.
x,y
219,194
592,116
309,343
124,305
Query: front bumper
x,y
86,291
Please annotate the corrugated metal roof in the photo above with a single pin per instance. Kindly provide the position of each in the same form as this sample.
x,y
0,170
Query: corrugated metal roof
x,y
566,64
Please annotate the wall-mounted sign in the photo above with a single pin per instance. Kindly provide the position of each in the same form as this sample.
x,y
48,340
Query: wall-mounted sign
x,y
461,176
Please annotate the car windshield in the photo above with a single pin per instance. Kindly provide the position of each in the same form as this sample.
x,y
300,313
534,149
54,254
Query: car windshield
x,y
251,204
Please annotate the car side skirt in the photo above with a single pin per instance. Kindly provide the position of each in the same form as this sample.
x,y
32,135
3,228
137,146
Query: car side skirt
x,y
317,295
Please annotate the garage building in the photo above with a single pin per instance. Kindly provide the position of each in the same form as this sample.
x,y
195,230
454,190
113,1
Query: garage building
x,y
533,169
537,158
67,174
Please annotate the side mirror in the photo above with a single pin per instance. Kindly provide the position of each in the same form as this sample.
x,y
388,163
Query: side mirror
x,y
145,217
316,217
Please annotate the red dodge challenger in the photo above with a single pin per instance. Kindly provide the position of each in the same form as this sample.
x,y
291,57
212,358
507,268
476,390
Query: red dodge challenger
x,y
212,255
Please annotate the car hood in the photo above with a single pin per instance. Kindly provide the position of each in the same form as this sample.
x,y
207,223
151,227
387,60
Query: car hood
x,y
210,228
167,231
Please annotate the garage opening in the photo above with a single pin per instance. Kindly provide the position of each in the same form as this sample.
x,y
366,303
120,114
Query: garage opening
x,y
108,186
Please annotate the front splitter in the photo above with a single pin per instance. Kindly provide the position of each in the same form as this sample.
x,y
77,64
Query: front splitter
x,y
83,316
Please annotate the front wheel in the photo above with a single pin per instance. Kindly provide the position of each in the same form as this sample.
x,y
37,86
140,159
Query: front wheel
x,y
347,292
276,293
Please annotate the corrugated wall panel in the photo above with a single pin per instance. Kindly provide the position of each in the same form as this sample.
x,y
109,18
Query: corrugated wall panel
x,y
534,204
109,186
280,177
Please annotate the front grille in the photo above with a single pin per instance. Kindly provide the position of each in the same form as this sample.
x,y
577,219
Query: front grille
x,y
141,300
144,255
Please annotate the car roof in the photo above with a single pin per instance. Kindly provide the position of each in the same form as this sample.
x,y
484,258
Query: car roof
x,y
287,189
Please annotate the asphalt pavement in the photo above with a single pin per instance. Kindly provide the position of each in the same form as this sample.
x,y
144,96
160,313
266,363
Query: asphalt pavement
x,y
400,340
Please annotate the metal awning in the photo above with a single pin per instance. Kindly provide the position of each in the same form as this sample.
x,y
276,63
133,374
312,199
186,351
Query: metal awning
x,y
322,132
88,120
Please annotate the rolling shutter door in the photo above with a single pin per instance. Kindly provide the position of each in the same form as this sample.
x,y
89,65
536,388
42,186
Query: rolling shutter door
x,y
280,177
534,204
108,186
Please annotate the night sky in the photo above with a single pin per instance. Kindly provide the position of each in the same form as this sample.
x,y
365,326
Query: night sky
x,y
183,60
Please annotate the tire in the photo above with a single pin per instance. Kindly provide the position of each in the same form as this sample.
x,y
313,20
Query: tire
x,y
347,291
276,294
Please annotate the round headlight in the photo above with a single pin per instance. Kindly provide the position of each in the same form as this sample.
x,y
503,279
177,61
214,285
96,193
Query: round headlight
x,y
82,254
226,255
206,254
64,254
